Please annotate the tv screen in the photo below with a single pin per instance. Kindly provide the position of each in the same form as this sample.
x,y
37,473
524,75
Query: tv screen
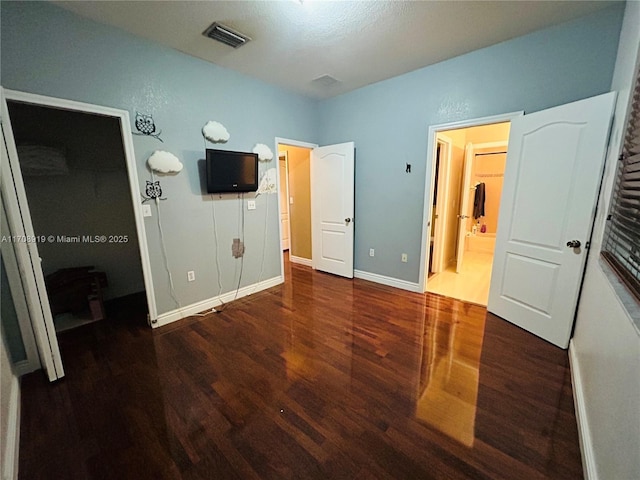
x,y
231,171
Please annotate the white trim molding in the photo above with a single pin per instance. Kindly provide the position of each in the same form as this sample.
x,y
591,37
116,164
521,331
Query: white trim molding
x,y
26,366
584,434
301,260
390,281
213,302
12,440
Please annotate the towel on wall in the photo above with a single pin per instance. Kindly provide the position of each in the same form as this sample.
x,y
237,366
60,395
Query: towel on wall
x,y
478,201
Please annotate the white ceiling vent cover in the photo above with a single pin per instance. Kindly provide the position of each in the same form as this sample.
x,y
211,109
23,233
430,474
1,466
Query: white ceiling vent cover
x,y
226,35
325,81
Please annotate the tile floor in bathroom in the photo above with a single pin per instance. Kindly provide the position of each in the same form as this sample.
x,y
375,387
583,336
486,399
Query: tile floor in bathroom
x,y
470,285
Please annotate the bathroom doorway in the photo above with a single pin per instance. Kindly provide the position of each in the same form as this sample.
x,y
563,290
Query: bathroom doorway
x,y
467,182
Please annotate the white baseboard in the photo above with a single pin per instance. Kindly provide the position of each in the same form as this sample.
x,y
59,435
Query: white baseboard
x,y
300,260
390,281
25,366
184,312
584,434
11,447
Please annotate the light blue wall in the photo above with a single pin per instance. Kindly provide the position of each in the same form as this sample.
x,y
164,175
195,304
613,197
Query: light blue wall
x,y
389,121
49,51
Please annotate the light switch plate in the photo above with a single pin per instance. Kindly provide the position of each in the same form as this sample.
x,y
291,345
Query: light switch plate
x,y
251,204
146,210
290,200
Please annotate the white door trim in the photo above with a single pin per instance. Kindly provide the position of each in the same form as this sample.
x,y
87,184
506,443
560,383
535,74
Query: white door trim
x,y
428,184
129,153
291,143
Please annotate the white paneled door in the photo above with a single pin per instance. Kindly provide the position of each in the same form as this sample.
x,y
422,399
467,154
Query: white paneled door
x,y
14,200
552,178
332,208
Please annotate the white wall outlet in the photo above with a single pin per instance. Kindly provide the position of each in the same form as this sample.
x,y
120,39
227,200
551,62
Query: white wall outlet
x,y
290,200
372,252
146,210
191,275
404,258
251,204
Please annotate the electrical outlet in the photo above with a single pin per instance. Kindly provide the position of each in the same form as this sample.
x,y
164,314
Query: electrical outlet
x,y
372,252
191,276
251,204
405,258
237,248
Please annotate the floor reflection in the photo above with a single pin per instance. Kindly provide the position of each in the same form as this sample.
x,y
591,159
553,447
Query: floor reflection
x,y
450,371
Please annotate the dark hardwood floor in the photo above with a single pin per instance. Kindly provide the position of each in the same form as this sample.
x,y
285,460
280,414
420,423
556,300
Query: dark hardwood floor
x,y
319,378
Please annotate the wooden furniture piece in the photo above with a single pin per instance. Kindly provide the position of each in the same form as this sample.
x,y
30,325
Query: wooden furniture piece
x,y
72,289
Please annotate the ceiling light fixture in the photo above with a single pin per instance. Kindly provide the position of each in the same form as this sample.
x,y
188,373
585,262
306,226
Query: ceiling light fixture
x,y
226,35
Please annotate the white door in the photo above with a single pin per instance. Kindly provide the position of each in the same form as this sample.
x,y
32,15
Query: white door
x,y
465,198
19,220
553,172
332,196
442,191
284,201
12,288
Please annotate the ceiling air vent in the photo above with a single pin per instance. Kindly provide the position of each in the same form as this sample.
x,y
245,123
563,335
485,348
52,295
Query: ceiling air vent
x,y
226,35
325,81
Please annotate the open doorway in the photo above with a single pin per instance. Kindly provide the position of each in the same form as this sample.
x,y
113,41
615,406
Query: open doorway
x,y
467,182
294,166
76,182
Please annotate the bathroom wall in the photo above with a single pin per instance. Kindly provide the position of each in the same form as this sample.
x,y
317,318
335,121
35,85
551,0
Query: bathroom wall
x,y
488,169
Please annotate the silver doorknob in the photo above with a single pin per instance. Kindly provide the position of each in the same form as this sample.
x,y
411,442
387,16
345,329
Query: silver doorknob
x,y
463,216
574,244
347,221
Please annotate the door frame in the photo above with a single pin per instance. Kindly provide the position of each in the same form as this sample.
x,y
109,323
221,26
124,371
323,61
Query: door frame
x,y
442,209
129,153
291,143
285,155
432,131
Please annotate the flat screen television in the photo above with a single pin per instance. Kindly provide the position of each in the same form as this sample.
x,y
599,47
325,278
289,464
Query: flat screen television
x,y
229,172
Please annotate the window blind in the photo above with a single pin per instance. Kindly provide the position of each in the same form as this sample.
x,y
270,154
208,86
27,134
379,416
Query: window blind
x,y
621,245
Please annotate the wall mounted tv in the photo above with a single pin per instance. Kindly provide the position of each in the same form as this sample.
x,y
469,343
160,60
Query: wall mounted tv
x,y
229,172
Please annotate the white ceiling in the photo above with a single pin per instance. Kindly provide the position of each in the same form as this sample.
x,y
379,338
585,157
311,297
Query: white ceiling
x,y
355,42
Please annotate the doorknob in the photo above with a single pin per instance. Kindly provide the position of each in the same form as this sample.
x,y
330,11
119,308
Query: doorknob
x,y
574,243
347,221
462,217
